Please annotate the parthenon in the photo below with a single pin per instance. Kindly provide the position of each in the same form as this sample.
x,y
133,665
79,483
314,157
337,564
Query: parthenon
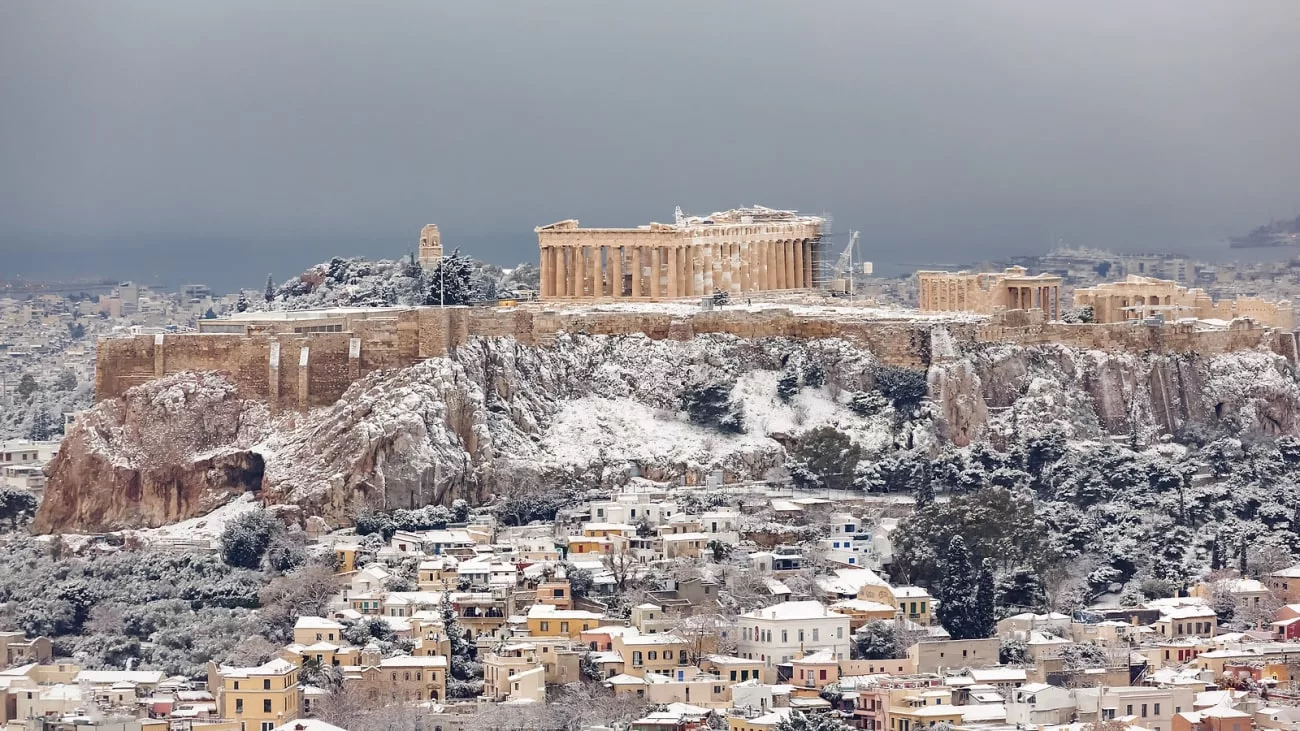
x,y
984,292
740,251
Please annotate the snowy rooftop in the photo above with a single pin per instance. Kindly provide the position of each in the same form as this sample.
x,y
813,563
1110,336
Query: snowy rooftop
x,y
793,610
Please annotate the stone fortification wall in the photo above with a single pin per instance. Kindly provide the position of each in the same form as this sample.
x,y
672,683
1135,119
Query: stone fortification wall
x,y
301,370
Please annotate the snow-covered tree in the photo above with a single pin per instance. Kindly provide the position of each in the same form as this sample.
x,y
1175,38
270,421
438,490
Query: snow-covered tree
x,y
710,405
245,538
788,387
799,721
965,594
450,282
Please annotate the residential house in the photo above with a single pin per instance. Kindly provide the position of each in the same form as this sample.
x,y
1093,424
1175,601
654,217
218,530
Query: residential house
x,y
1146,706
777,634
1285,584
310,630
403,678
501,668
260,698
661,654
545,620
1035,705
17,649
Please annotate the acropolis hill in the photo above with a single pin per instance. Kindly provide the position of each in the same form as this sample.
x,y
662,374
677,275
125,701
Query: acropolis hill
x,y
329,411
660,280
304,359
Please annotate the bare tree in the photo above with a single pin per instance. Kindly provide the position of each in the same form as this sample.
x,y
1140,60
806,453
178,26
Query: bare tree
x,y
703,632
621,564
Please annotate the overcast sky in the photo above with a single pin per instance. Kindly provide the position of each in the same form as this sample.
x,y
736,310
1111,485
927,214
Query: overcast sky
x,y
230,138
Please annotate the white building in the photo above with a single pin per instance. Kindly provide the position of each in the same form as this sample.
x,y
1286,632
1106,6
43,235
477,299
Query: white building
x,y
784,632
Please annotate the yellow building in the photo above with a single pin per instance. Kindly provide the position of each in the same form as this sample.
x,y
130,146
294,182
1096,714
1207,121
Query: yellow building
x,y
260,698
731,668
404,678
437,574
555,593
662,654
588,546
861,611
608,530
545,620
310,630
914,603
914,717
345,559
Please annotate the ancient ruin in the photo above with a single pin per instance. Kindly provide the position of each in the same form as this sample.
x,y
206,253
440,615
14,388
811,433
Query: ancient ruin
x,y
1141,298
987,292
739,251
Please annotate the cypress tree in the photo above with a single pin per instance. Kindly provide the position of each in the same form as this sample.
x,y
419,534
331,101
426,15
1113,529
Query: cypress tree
x,y
985,619
957,592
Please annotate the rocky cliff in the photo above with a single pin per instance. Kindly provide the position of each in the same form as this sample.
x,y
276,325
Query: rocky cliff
x,y
496,416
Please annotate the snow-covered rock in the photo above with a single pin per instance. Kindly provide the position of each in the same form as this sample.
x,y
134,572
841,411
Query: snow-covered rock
x,y
593,410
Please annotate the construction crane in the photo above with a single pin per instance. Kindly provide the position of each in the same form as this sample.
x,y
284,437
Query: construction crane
x,y
842,279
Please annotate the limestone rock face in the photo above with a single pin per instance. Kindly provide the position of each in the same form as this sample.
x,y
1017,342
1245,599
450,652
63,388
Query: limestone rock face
x,y
590,410
171,449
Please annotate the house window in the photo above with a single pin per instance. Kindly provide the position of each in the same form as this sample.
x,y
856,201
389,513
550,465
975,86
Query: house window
x,y
668,654
239,705
546,626
823,673
564,627
636,658
849,528
785,637
236,685
839,633
266,705
266,684
815,633
1144,710
1129,710
801,635
922,607
653,655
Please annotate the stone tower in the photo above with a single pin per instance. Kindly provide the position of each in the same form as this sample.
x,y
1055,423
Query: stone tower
x,y
430,246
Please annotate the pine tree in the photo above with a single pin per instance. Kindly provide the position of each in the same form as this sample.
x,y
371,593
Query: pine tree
x,y
788,387
241,304
450,282
269,295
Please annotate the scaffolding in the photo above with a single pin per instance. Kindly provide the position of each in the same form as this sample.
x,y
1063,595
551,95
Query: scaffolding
x,y
823,269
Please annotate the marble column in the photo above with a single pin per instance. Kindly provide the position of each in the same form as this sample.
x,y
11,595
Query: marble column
x,y
616,272
710,283
800,276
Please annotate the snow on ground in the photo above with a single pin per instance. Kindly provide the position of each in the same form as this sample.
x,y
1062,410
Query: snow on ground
x,y
621,429
206,528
